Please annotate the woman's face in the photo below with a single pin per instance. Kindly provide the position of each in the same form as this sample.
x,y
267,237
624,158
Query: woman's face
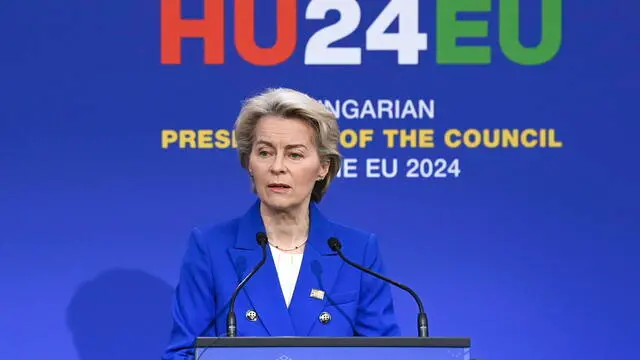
x,y
284,162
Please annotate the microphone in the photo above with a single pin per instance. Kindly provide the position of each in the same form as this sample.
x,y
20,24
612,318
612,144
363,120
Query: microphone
x,y
232,329
423,327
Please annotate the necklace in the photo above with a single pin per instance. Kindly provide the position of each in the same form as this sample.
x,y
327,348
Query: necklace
x,y
294,248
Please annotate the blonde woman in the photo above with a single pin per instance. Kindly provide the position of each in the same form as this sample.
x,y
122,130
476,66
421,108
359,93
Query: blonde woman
x,y
288,143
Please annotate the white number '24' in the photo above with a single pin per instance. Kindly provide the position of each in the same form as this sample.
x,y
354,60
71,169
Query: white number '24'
x,y
408,41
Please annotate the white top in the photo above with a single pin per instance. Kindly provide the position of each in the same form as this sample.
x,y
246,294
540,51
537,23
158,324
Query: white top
x,y
288,268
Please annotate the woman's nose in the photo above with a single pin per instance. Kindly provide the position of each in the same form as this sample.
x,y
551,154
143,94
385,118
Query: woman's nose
x,y
278,164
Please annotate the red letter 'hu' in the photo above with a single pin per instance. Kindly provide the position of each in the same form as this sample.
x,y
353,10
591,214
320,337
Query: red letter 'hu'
x,y
286,37
174,28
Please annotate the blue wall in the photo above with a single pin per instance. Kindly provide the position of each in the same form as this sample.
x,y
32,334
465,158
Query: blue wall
x,y
530,251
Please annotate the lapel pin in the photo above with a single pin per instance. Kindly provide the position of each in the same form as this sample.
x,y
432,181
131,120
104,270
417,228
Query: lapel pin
x,y
317,294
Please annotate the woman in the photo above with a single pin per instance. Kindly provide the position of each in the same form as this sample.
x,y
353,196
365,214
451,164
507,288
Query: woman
x,y
288,144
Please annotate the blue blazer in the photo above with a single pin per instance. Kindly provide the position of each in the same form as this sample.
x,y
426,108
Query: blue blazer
x,y
219,256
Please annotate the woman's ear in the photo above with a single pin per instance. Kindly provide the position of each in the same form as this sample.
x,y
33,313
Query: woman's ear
x,y
324,169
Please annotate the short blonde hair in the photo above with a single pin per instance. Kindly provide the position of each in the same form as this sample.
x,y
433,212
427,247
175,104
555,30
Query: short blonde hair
x,y
292,104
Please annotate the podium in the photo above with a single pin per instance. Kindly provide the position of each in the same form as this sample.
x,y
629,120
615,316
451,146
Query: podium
x,y
332,348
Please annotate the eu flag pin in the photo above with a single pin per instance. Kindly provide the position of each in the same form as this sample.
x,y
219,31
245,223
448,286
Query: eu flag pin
x,y
317,294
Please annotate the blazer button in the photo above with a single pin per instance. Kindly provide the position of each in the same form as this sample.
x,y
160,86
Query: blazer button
x,y
251,315
325,317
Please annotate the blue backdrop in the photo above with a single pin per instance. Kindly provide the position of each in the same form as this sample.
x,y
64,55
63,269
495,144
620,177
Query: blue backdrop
x,y
531,252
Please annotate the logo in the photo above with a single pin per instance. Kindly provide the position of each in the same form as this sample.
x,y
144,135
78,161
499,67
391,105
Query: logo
x,y
320,49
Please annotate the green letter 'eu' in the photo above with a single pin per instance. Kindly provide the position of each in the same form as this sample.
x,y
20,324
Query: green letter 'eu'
x,y
551,34
449,29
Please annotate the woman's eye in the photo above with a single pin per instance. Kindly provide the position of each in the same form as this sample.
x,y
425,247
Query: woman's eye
x,y
263,153
296,156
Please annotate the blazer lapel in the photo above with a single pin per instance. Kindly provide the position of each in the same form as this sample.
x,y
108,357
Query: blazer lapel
x,y
319,270
263,289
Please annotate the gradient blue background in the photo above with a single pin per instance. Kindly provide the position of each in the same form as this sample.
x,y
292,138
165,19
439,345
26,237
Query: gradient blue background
x,y
531,253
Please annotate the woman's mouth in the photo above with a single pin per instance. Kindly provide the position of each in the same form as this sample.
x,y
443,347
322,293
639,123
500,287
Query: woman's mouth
x,y
278,187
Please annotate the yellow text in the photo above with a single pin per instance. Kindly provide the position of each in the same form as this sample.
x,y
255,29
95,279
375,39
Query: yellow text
x,y
198,139
411,138
350,138
502,138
